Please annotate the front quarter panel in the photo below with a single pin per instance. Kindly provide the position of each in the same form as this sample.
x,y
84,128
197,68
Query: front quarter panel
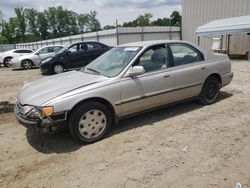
x,y
108,91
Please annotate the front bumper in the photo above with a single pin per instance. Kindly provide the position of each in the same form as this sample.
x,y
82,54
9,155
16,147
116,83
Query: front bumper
x,y
15,65
45,69
47,124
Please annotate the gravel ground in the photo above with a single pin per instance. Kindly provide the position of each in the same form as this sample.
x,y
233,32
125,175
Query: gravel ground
x,y
185,145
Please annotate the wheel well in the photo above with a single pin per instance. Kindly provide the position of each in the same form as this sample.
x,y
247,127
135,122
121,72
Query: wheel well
x,y
96,99
217,76
7,57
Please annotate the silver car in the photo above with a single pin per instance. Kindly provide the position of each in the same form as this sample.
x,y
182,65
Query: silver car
x,y
128,79
32,60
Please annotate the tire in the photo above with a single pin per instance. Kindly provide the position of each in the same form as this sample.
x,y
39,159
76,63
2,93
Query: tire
x,y
58,68
6,61
90,122
27,64
210,91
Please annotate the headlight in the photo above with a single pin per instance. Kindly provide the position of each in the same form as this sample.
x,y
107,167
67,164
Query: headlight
x,y
46,60
38,112
34,113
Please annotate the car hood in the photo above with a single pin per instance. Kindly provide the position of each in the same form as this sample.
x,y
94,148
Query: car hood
x,y
40,91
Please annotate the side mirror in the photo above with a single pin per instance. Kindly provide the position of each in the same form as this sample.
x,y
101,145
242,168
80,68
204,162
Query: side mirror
x,y
37,53
135,71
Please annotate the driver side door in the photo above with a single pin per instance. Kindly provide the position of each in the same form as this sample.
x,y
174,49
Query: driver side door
x,y
153,87
74,56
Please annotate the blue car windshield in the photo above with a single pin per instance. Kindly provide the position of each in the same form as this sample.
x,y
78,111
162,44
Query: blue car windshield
x,y
112,62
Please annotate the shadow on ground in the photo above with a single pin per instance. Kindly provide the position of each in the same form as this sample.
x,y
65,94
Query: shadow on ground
x,y
63,143
6,107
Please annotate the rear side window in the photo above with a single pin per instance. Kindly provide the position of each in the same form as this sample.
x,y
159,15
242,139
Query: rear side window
x,y
185,54
93,46
25,51
22,51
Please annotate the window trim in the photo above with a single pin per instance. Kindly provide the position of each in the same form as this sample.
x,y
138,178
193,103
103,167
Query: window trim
x,y
164,45
172,63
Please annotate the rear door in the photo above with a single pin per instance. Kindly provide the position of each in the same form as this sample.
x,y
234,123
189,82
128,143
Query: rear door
x,y
92,51
189,69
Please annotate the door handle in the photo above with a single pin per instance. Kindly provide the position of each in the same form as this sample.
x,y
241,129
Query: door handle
x,y
203,68
166,76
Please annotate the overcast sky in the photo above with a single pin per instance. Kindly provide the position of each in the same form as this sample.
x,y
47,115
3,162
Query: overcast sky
x,y
108,10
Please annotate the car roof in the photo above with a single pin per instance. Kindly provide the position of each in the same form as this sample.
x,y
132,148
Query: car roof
x,y
150,43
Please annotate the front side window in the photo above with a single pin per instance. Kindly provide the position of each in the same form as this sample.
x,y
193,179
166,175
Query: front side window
x,y
184,54
26,51
74,48
154,59
43,51
57,48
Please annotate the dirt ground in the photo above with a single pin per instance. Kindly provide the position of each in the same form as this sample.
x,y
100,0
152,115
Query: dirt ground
x,y
186,145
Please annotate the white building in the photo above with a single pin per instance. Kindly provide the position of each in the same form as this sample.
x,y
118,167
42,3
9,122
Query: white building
x,y
199,12
112,37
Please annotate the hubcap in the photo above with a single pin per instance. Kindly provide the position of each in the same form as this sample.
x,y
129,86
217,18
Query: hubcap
x,y
92,124
211,91
27,65
58,69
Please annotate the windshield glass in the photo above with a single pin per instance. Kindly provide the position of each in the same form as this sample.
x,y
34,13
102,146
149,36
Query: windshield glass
x,y
61,51
112,62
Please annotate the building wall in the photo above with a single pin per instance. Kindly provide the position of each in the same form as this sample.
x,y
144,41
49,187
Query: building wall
x,y
198,12
112,37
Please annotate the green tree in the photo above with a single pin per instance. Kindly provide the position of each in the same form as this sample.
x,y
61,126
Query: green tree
x,y
10,31
144,20
51,16
42,24
20,20
82,22
71,23
175,18
106,27
161,22
93,24
1,21
31,17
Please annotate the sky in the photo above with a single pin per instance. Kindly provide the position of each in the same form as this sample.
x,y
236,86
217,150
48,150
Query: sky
x,y
108,10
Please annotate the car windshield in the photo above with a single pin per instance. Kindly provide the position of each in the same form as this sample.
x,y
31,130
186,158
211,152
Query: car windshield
x,y
112,62
61,51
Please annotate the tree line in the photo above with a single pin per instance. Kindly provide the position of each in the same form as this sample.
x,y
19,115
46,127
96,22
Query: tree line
x,y
31,25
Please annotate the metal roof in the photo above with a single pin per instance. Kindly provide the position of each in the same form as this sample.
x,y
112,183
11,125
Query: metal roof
x,y
226,26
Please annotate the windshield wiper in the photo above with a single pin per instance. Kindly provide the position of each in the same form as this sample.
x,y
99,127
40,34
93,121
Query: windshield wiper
x,y
93,70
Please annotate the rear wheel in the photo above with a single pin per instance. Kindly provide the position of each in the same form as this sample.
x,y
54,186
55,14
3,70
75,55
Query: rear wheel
x,y
6,61
27,64
58,68
210,91
90,122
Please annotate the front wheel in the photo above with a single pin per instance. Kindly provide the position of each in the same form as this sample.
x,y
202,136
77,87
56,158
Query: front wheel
x,y
57,69
90,122
210,91
27,64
